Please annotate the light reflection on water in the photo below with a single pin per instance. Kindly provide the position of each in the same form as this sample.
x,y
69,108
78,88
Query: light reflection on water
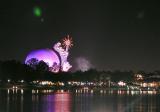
x,y
78,101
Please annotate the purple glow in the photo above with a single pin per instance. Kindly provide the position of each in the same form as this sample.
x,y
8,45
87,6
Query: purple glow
x,y
56,58
47,55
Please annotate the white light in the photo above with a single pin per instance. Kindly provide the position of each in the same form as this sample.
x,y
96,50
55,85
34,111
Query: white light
x,y
37,91
120,83
9,80
86,88
8,91
101,91
33,91
82,83
62,84
21,91
62,91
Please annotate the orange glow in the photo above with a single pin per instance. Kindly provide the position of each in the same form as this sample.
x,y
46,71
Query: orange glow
x,y
62,102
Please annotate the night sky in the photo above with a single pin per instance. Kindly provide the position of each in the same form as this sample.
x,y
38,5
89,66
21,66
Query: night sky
x,y
108,34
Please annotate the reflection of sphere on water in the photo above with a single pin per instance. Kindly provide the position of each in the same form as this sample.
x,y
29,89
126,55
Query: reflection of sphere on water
x,y
47,55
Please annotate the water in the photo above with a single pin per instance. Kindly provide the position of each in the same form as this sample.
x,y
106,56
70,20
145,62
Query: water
x,y
51,101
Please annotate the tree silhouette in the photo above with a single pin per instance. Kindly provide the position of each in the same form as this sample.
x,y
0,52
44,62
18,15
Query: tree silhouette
x,y
33,62
42,66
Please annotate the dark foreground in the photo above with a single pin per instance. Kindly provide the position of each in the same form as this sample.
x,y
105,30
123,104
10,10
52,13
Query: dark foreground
x,y
77,101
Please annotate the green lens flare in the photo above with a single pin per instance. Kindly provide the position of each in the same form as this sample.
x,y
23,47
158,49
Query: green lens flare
x,y
37,11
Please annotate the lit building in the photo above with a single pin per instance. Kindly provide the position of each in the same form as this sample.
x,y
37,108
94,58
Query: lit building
x,y
55,58
138,77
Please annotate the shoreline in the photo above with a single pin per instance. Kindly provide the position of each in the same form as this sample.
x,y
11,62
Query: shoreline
x,y
118,91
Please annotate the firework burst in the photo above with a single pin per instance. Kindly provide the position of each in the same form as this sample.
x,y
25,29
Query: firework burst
x,y
67,42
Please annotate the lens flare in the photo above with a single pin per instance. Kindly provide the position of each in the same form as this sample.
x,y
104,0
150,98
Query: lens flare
x,y
37,11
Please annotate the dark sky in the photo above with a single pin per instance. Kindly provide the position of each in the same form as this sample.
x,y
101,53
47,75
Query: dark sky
x,y
111,34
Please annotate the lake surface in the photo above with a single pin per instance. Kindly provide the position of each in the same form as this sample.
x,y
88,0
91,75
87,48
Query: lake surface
x,y
50,101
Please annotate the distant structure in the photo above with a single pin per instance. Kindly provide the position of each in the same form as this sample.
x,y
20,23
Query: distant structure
x,y
55,58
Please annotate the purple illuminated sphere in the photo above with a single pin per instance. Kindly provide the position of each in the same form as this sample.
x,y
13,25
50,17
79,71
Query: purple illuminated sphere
x,y
47,55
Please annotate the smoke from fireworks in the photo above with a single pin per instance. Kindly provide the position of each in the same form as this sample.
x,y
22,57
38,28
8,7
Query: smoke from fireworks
x,y
83,64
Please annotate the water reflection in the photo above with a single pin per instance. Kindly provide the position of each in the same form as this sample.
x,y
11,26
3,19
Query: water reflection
x,y
117,101
14,100
54,102
80,101
62,102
